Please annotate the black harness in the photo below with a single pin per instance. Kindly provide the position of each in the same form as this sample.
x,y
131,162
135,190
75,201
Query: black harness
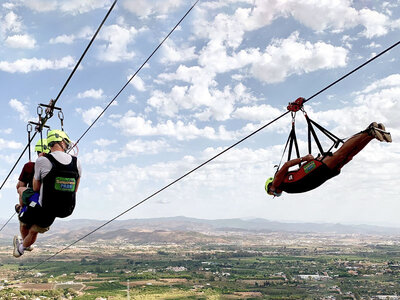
x,y
59,187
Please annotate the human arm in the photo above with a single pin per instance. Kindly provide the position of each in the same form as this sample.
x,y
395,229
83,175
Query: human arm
x,y
280,175
36,185
21,184
77,184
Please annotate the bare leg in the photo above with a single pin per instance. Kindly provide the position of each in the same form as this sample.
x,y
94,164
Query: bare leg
x,y
24,230
30,238
20,191
348,150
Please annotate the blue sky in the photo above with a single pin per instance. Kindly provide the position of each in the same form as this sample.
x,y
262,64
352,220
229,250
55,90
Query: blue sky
x,y
231,67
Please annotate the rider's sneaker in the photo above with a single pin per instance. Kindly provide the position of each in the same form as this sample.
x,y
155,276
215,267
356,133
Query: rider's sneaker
x,y
30,248
386,135
374,131
16,242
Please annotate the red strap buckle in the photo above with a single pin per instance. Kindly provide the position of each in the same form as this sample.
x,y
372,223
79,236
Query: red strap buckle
x,y
296,105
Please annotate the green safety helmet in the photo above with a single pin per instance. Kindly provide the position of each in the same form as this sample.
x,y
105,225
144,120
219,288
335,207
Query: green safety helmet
x,y
41,146
268,183
57,136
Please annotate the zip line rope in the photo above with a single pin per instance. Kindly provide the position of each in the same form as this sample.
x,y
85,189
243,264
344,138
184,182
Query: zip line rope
x,y
204,163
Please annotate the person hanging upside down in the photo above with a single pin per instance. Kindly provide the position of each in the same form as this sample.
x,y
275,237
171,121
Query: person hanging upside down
x,y
55,183
315,171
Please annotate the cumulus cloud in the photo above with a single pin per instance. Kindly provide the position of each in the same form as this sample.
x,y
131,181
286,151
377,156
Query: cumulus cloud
x,y
105,142
138,83
62,39
147,147
90,114
92,93
376,24
27,65
144,8
285,57
133,125
79,7
7,144
10,23
20,108
85,33
117,40
73,7
40,5
173,54
23,41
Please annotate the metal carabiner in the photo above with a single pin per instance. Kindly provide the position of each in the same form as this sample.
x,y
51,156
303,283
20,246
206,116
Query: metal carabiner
x,y
29,127
39,111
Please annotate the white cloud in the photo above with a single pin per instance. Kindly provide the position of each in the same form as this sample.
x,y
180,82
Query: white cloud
x,y
21,109
201,97
92,93
73,7
8,5
9,145
137,83
26,65
285,57
105,142
389,81
173,54
376,24
6,131
21,41
10,23
259,113
147,147
40,5
63,39
90,114
79,7
118,38
133,125
144,8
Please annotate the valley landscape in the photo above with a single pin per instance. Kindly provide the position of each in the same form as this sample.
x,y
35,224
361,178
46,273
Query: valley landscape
x,y
184,258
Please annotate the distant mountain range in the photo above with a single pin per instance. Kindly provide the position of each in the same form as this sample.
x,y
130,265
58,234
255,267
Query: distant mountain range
x,y
183,229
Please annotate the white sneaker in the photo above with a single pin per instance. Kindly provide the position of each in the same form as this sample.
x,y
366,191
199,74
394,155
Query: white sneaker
x,y
386,135
375,131
17,241
30,248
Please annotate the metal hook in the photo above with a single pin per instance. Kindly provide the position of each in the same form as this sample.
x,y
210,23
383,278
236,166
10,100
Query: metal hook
x,y
39,111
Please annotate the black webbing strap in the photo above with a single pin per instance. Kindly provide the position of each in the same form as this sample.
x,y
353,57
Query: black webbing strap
x,y
330,135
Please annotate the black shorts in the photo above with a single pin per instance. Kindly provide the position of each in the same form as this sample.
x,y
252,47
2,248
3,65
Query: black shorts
x,y
34,214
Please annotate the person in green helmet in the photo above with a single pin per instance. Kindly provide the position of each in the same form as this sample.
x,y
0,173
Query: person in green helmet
x,y
26,176
55,183
315,171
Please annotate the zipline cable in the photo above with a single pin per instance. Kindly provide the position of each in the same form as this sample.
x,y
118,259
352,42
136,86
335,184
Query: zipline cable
x,y
160,190
59,94
134,75
8,220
